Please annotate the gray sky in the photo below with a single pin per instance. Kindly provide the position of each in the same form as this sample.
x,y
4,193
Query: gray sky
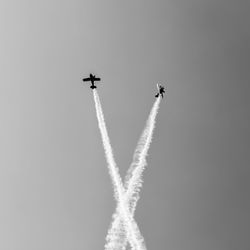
x,y
55,192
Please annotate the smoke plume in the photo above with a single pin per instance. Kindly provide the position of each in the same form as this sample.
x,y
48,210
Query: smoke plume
x,y
117,235
130,227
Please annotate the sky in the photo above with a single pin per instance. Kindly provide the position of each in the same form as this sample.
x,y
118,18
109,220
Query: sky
x,y
55,191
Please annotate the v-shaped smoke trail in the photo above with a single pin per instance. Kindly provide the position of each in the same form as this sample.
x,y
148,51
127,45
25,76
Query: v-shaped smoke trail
x,y
133,233
117,234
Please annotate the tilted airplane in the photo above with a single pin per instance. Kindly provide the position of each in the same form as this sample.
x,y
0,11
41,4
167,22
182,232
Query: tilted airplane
x,y
91,79
161,90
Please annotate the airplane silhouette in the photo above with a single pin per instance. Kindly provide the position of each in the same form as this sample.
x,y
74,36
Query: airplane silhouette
x,y
91,79
161,90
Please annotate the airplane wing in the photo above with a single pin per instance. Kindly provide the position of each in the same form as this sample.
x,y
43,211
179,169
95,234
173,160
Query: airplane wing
x,y
97,79
86,79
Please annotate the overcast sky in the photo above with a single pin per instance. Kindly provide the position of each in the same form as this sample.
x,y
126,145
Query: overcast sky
x,y
55,191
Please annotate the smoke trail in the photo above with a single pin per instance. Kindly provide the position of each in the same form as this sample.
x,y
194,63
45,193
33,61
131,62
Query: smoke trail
x,y
133,180
117,235
133,233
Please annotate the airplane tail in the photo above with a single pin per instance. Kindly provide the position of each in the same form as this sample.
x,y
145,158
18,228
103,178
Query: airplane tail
x,y
157,95
93,87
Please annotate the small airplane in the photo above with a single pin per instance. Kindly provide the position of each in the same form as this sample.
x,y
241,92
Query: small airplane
x,y
161,90
91,79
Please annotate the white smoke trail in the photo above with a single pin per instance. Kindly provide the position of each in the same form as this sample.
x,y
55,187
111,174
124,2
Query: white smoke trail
x,y
133,180
133,233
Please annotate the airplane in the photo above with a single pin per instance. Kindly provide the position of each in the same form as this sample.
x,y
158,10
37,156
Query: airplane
x,y
161,90
91,79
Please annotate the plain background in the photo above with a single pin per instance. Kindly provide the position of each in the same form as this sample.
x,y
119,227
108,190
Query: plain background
x,y
55,192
